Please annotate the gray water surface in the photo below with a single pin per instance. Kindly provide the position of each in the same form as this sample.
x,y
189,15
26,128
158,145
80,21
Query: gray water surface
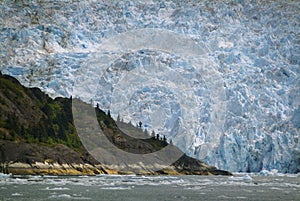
x,y
151,188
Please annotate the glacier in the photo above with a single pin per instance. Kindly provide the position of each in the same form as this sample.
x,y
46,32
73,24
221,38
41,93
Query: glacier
x,y
237,107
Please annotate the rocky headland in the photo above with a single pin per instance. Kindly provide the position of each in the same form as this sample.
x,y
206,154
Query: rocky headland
x,y
38,137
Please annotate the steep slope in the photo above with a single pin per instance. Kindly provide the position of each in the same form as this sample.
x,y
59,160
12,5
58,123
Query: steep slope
x,y
31,115
38,136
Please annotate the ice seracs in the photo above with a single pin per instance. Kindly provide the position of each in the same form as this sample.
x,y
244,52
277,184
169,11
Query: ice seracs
x,y
254,47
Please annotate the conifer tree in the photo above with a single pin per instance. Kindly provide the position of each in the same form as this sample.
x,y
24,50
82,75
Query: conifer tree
x,y
157,136
153,134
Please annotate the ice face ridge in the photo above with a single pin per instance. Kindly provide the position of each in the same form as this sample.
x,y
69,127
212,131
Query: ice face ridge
x,y
254,47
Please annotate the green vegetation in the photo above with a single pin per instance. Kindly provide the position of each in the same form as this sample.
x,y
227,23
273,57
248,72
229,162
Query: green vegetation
x,y
29,115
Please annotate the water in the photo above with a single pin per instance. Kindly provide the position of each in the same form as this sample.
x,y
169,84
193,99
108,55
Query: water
x,y
151,188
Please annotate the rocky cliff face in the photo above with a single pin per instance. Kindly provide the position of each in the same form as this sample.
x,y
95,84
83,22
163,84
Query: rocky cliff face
x,y
236,108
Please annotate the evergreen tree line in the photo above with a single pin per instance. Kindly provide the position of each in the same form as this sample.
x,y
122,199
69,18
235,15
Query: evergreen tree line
x,y
55,126
154,136
52,120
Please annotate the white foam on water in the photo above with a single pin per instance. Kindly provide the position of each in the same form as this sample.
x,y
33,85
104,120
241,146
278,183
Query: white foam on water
x,y
291,175
241,197
118,188
50,176
56,189
61,196
17,194
240,178
195,188
277,189
67,196
224,197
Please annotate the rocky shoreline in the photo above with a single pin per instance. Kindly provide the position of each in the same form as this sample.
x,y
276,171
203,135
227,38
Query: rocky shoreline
x,y
20,158
38,136
40,168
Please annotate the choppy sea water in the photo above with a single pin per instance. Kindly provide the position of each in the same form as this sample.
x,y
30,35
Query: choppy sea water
x,y
151,188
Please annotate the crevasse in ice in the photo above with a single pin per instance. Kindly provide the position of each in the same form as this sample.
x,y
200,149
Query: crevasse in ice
x,y
253,47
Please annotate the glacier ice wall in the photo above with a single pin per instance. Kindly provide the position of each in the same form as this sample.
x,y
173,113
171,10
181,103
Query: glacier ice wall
x,y
253,45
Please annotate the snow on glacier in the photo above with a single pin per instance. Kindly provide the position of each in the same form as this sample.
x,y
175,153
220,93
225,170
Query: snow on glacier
x,y
253,45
